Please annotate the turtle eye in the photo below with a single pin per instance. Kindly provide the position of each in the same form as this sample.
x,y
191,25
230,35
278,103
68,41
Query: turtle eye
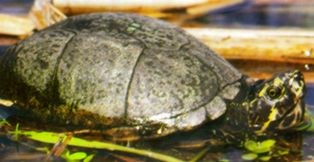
x,y
274,92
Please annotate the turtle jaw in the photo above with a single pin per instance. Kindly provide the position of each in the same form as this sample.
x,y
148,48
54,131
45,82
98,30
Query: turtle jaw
x,y
293,118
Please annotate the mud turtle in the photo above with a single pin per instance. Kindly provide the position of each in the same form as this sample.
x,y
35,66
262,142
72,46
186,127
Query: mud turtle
x,y
136,77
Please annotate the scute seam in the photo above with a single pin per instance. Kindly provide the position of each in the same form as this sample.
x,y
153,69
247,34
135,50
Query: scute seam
x,y
202,105
126,102
54,80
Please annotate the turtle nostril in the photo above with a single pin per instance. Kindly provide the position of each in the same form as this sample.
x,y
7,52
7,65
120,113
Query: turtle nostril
x,y
296,83
298,75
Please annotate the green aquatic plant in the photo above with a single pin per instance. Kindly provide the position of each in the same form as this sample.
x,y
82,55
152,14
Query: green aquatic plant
x,y
77,156
4,122
200,154
52,138
249,156
261,150
16,132
265,150
259,147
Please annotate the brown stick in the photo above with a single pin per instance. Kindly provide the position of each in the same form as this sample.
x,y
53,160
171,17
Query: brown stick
x,y
272,45
14,25
261,53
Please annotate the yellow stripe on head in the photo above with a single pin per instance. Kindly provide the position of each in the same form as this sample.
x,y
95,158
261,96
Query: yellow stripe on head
x,y
278,82
263,91
271,117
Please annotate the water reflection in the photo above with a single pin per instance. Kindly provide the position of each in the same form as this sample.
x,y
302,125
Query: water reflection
x,y
251,14
309,98
17,7
2,49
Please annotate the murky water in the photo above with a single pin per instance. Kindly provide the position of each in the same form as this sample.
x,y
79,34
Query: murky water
x,y
300,146
17,7
252,15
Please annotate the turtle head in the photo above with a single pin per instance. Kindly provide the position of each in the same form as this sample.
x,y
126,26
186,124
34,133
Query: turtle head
x,y
277,104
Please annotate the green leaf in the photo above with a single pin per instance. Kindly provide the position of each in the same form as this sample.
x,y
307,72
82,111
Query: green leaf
x,y
283,152
89,158
16,132
200,154
268,143
77,156
250,145
45,137
259,147
264,158
4,122
65,154
249,156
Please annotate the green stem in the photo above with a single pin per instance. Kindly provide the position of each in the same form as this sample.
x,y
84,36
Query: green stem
x,y
200,154
50,137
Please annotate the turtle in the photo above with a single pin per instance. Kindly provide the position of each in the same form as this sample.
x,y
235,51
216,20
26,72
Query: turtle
x,y
133,77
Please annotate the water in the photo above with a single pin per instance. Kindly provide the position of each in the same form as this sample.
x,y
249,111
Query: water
x,y
2,49
253,15
17,7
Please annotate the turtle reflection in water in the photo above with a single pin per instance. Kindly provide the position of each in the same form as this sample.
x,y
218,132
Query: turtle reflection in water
x,y
134,78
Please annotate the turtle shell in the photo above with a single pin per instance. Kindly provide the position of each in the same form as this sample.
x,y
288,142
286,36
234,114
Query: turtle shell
x,y
121,71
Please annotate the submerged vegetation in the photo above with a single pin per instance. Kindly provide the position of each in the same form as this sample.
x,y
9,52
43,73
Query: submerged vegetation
x,y
61,140
63,144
